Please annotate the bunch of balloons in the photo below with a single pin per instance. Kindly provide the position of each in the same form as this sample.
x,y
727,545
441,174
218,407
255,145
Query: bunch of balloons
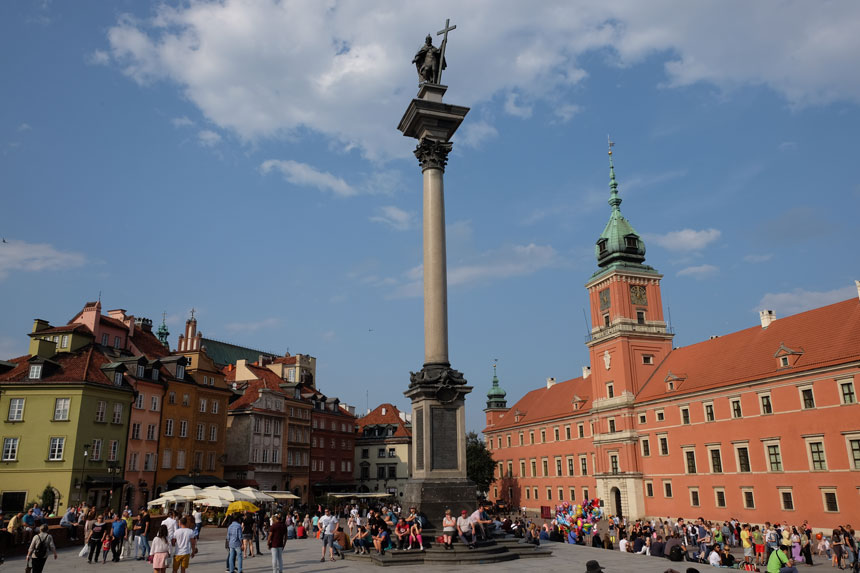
x,y
575,520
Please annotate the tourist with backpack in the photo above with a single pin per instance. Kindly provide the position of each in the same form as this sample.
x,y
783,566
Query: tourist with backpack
x,y
41,544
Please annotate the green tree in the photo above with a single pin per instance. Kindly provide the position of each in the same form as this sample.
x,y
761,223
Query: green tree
x,y
480,465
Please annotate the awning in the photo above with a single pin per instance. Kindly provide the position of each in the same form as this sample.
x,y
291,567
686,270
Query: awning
x,y
104,481
360,495
282,494
199,481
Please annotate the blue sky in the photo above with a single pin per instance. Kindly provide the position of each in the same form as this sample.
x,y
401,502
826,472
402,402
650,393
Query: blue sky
x,y
242,158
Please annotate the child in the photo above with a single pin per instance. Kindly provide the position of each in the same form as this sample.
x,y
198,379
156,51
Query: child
x,y
105,548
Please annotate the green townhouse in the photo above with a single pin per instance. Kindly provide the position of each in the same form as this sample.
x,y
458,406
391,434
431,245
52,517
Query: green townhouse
x,y
64,421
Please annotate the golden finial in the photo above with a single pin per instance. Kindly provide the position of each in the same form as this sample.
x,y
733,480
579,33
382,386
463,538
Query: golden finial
x,y
611,143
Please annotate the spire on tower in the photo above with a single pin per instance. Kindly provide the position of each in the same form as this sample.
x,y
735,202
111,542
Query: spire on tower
x,y
496,395
163,333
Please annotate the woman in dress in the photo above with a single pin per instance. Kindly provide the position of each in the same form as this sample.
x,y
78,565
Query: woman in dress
x,y
449,528
796,549
160,550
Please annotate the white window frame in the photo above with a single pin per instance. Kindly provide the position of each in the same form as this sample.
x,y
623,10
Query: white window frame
x,y
214,406
154,404
681,411
744,491
740,413
705,406
203,405
201,432
139,400
166,461
35,372
648,359
800,390
141,371
695,490
116,417
10,448
642,441
649,488
671,489
824,491
213,433
719,450
117,378
781,490
16,409
113,450
717,491
180,459
96,450
817,439
849,437
772,442
690,450
168,428
844,382
101,411
660,415
62,414
745,445
761,398
660,444
183,428
135,431
56,448
64,341
643,418
151,431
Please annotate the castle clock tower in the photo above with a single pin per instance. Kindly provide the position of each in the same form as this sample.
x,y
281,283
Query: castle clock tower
x,y
628,340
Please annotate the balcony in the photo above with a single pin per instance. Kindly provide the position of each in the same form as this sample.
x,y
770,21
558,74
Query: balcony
x,y
627,326
624,400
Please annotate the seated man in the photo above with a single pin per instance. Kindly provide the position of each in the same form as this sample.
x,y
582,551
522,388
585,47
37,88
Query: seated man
x,y
380,542
465,531
401,532
29,523
779,561
714,557
657,547
70,522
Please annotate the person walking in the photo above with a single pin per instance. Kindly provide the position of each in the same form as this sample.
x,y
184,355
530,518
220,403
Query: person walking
x,y
185,543
141,535
160,550
198,521
96,532
117,537
275,542
234,545
327,526
41,544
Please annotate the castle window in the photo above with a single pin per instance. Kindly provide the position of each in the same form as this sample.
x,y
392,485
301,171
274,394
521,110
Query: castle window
x,y
685,416
807,398
783,361
736,408
610,390
606,319
846,390
660,416
640,317
601,246
630,242
709,412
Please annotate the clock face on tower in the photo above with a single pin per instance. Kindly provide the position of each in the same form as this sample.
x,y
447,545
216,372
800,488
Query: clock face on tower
x,y
604,299
638,294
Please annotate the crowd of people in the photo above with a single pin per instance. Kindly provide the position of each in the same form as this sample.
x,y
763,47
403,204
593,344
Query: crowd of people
x,y
777,547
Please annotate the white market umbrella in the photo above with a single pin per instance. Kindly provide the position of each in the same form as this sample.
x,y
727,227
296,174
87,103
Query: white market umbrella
x,y
257,494
157,501
186,490
212,502
282,494
230,494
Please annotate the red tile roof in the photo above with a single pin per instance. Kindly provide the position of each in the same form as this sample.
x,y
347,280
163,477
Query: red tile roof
x,y
545,403
113,322
148,344
265,379
391,416
827,336
83,365
284,360
81,328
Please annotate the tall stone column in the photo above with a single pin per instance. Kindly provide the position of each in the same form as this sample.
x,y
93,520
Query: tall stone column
x,y
437,391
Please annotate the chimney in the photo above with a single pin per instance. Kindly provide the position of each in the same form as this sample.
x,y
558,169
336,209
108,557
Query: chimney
x,y
767,316
857,284
586,371
40,324
550,382
384,410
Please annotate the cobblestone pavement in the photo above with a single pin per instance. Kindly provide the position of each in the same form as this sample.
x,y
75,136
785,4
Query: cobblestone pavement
x,y
304,555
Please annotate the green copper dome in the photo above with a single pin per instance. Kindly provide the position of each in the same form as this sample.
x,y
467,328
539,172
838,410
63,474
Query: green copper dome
x,y
496,396
163,333
618,245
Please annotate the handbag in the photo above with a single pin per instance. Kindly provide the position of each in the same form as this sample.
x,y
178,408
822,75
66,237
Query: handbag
x,y
29,567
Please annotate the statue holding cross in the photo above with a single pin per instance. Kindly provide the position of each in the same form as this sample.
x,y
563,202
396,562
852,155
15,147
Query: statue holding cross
x,y
430,60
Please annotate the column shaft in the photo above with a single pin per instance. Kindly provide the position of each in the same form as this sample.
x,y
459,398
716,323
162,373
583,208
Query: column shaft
x,y
435,269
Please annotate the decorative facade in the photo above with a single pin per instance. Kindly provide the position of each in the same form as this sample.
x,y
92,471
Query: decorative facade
x,y
383,451
759,424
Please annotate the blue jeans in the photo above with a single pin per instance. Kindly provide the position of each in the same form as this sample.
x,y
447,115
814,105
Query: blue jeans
x,y
142,542
277,559
235,552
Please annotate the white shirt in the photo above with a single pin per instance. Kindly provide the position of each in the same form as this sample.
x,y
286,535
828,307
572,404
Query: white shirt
x,y
465,524
171,527
714,559
183,541
622,546
198,517
328,524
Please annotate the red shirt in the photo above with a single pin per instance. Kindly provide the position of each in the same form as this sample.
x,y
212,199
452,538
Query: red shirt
x,y
277,534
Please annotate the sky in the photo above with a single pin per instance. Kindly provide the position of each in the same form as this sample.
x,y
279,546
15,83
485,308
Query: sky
x,y
242,158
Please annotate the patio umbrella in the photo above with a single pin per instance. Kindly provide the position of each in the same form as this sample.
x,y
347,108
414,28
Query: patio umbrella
x,y
157,501
282,494
212,502
232,494
256,494
191,491
241,506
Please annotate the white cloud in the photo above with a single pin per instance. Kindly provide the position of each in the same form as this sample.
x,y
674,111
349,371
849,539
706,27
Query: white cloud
x,y
24,127
265,69
98,58
685,240
513,261
637,181
520,111
798,300
753,258
566,112
787,146
33,257
181,122
475,133
309,176
329,335
394,217
699,272
253,326
208,138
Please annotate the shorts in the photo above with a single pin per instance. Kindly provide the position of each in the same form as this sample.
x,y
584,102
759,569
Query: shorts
x,y
181,561
328,540
748,551
247,536
759,548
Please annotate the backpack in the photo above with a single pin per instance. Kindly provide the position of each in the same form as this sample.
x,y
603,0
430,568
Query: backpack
x,y
676,553
41,551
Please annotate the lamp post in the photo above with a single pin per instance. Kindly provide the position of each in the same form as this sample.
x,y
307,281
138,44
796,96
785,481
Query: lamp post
x,y
83,471
113,469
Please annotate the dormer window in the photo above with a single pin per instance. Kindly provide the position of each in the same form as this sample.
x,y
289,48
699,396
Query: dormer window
x,y
35,371
117,378
140,370
601,246
180,371
783,361
154,375
630,242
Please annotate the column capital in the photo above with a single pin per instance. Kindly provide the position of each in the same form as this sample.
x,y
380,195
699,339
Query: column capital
x,y
432,154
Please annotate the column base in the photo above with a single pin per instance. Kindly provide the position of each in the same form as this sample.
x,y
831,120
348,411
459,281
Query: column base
x,y
436,373
433,496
